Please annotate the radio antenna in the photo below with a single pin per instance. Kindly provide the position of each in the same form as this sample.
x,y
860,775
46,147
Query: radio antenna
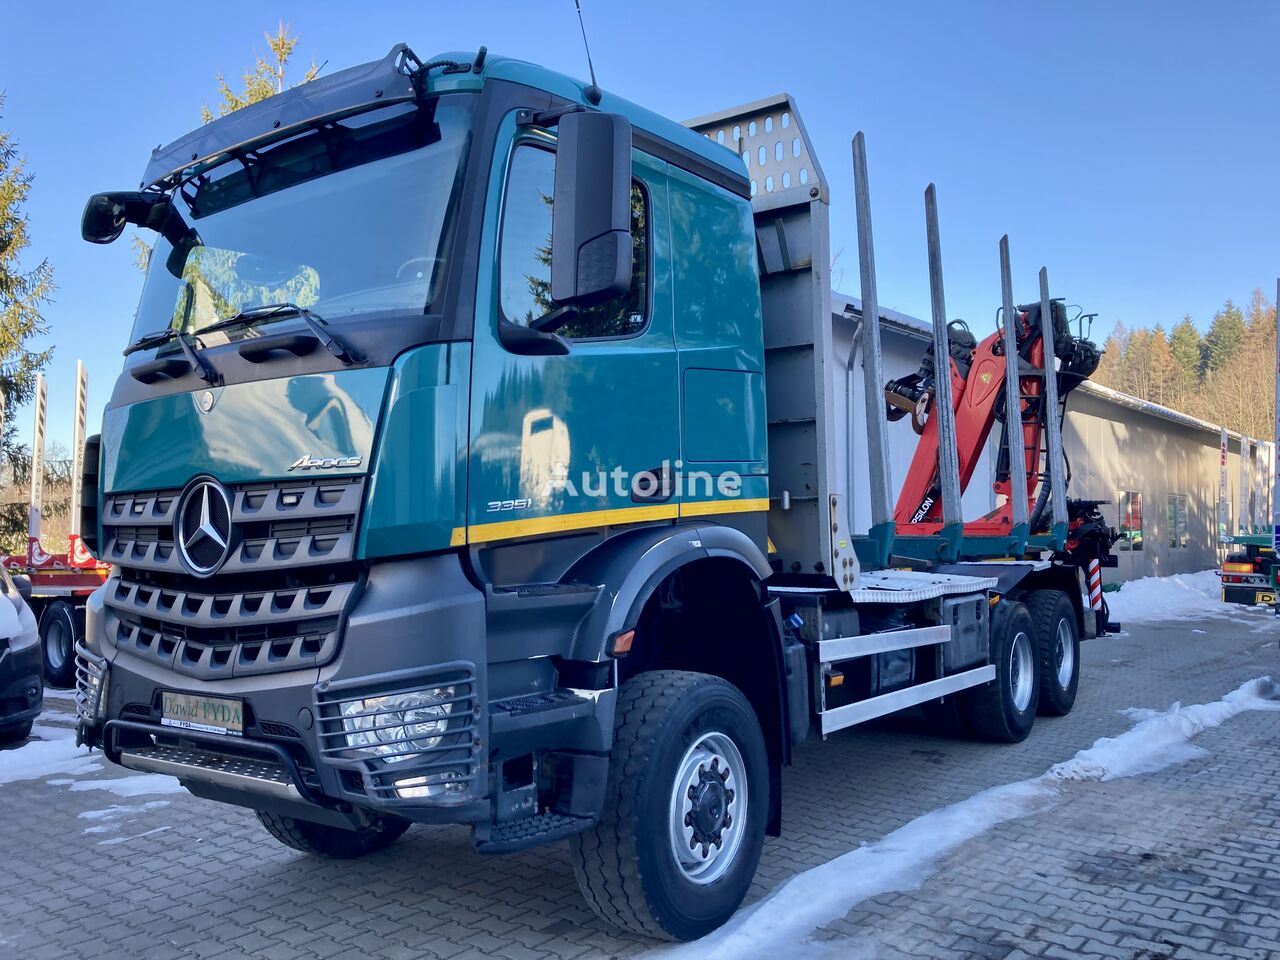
x,y
592,92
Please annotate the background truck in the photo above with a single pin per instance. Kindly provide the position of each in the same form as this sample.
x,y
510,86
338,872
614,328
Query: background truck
x,y
484,454
1250,573
59,583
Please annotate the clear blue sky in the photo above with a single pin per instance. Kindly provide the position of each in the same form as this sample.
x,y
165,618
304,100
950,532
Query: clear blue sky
x,y
1129,147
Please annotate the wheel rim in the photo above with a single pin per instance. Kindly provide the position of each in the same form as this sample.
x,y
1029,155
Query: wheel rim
x,y
708,810
1064,654
1021,671
58,645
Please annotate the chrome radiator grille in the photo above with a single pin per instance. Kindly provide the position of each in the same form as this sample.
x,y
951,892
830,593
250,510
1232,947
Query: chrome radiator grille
x,y
251,616
284,525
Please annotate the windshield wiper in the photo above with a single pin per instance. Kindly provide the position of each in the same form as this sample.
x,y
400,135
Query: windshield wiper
x,y
315,323
161,337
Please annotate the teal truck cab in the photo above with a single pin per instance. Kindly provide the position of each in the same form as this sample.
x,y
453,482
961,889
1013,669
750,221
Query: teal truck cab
x,y
441,485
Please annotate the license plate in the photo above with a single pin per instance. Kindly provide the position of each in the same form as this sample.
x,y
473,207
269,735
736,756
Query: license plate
x,y
1265,598
207,714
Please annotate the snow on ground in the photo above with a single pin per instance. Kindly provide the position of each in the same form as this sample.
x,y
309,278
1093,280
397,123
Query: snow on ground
x,y
122,809
54,753
136,786
1181,596
906,858
109,820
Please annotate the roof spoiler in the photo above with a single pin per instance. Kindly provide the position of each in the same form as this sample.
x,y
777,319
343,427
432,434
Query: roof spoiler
x,y
393,79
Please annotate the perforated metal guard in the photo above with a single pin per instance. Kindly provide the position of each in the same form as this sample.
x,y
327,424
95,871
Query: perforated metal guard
x,y
771,139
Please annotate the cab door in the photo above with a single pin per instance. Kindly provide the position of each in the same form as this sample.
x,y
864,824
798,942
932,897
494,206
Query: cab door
x,y
580,441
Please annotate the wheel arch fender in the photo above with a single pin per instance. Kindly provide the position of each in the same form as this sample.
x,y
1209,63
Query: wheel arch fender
x,y
630,566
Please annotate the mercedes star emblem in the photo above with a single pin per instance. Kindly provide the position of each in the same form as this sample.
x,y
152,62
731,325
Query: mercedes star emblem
x,y
204,527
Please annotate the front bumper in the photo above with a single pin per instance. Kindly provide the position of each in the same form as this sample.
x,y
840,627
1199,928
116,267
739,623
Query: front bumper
x,y
21,682
409,614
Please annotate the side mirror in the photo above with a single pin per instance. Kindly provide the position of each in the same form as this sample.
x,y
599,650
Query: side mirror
x,y
106,214
591,225
23,585
89,487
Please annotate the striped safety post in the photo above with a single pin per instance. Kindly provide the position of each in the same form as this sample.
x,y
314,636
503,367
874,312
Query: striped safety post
x,y
1095,584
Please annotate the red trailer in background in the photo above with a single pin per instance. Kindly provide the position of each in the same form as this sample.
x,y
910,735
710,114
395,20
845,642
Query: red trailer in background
x,y
60,583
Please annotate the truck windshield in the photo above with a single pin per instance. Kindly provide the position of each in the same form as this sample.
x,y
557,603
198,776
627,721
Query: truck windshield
x,y
351,217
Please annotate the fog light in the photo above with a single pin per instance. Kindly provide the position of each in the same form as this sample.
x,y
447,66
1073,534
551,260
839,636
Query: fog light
x,y
399,726
432,785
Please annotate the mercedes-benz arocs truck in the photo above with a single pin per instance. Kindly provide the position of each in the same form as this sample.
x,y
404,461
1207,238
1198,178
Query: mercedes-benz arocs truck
x,y
484,454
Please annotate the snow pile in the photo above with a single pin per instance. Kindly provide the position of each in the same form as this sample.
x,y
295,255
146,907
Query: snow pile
x,y
56,753
1162,739
1181,596
904,859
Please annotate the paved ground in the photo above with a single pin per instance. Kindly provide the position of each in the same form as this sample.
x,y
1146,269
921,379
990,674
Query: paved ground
x,y
1183,862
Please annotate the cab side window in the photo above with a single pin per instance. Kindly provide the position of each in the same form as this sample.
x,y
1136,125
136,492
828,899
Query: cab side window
x,y
524,254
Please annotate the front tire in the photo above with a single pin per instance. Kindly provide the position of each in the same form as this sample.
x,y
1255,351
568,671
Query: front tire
x,y
60,627
16,734
333,843
678,841
1059,641
1005,710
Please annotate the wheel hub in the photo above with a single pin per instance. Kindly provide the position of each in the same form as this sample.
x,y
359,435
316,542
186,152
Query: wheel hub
x,y
709,804
708,807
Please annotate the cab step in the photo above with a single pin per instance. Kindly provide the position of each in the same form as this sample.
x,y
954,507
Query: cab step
x,y
530,832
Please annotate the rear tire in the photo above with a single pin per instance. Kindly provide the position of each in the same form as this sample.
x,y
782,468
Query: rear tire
x,y
1005,710
680,835
333,843
60,627
1058,637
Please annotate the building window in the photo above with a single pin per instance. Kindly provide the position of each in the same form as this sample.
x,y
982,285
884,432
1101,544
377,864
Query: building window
x,y
1130,521
524,257
1177,521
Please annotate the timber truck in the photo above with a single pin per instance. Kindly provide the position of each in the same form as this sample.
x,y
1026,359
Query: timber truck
x,y
57,585
485,454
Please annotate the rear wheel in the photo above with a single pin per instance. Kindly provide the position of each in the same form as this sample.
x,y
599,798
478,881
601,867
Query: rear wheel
x,y
60,627
1058,638
1005,710
683,823
335,843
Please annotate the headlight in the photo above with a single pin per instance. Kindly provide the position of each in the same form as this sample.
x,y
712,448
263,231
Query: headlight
x,y
400,726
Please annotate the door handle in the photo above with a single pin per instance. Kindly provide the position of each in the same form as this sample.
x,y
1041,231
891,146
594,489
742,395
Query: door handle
x,y
655,485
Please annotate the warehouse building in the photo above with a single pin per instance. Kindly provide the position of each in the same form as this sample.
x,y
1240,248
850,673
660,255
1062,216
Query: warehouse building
x,y
1158,468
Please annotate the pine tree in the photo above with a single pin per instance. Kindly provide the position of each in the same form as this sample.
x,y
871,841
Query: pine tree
x,y
1225,337
266,79
23,293
1185,344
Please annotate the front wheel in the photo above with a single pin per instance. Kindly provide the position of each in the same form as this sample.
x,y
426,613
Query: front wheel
x,y
334,843
683,823
16,734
